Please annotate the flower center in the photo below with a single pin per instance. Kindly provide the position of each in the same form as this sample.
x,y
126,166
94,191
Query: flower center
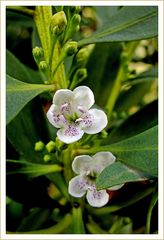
x,y
91,176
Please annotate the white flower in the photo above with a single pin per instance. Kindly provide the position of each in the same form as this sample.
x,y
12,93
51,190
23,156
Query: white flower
x,y
71,113
88,168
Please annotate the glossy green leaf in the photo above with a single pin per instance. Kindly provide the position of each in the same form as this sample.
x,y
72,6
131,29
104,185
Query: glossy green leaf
x,y
118,173
19,94
139,152
145,118
26,129
131,23
18,70
32,169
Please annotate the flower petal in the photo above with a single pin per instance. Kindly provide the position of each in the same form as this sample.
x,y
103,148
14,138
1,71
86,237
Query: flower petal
x,y
97,198
62,96
55,118
116,187
83,96
99,121
102,160
81,164
77,186
70,133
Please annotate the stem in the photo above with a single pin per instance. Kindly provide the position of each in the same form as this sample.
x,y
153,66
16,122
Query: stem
x,y
152,205
60,227
120,76
22,9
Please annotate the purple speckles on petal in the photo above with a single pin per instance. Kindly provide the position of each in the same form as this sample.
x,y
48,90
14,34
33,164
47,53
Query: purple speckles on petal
x,y
72,130
88,120
59,119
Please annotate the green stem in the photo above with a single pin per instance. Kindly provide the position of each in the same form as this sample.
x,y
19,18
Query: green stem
x,y
149,214
77,221
121,75
57,228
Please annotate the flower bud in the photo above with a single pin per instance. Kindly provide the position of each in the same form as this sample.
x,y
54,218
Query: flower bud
x,y
38,54
39,146
51,146
70,48
76,19
58,23
43,65
82,57
47,158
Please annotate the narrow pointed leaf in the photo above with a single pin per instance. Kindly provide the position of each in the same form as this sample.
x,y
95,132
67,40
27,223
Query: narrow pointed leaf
x,y
118,173
32,169
130,23
19,94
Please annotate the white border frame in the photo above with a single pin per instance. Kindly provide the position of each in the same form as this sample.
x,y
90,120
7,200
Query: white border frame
x,y
160,235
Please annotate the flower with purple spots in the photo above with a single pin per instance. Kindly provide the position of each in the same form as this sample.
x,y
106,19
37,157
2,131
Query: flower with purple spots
x,y
71,113
88,168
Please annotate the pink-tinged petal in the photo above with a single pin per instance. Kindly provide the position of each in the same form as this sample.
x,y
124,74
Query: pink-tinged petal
x,y
70,134
62,96
116,187
55,118
97,121
77,186
83,96
97,198
82,164
102,160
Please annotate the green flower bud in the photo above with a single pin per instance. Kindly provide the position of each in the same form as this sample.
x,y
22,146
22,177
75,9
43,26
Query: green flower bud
x,y
70,48
39,146
82,57
104,134
58,23
51,146
47,158
43,65
76,19
38,54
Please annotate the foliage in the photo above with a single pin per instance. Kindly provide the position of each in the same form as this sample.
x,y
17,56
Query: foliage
x,y
113,51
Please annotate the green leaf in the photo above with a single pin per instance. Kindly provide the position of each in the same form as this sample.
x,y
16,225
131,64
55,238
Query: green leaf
x,y
20,93
34,220
26,129
131,23
32,169
18,70
139,152
42,19
122,225
102,69
145,118
118,173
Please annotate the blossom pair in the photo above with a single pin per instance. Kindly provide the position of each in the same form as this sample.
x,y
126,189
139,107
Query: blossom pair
x,y
71,112
88,168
